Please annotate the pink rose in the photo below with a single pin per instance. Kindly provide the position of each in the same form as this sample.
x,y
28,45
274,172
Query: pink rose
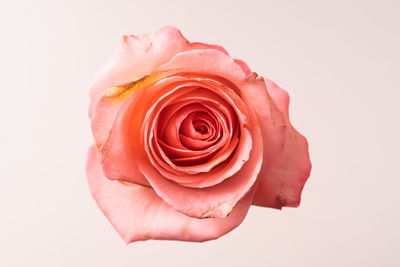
x,y
186,139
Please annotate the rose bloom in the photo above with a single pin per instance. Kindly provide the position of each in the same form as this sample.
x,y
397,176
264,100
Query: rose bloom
x,y
186,139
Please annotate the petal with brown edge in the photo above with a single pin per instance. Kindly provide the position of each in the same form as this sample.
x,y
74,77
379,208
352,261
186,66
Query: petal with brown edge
x,y
284,182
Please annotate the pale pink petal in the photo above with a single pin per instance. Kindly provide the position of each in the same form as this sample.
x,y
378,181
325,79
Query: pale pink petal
x,y
137,57
208,61
283,184
137,213
202,46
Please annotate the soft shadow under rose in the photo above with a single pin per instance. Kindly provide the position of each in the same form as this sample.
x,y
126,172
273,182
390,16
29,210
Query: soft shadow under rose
x,y
186,139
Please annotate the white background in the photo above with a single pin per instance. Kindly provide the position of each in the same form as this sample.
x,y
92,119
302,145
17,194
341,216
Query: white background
x,y
339,60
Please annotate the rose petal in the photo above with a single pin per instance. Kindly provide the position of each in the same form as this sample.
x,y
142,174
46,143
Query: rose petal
x,y
137,57
245,68
271,119
284,181
202,46
110,102
137,213
205,62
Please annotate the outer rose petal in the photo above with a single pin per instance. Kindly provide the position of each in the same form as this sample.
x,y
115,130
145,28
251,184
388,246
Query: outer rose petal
x,y
138,56
207,61
109,103
197,45
285,180
245,68
272,121
137,213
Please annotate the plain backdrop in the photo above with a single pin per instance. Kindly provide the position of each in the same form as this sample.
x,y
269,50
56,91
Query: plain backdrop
x,y
339,60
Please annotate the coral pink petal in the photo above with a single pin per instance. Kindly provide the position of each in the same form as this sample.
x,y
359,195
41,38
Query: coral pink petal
x,y
284,181
272,121
116,157
137,213
245,68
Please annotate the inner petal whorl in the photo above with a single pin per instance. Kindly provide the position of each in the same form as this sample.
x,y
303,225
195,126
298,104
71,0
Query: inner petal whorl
x,y
195,133
201,127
